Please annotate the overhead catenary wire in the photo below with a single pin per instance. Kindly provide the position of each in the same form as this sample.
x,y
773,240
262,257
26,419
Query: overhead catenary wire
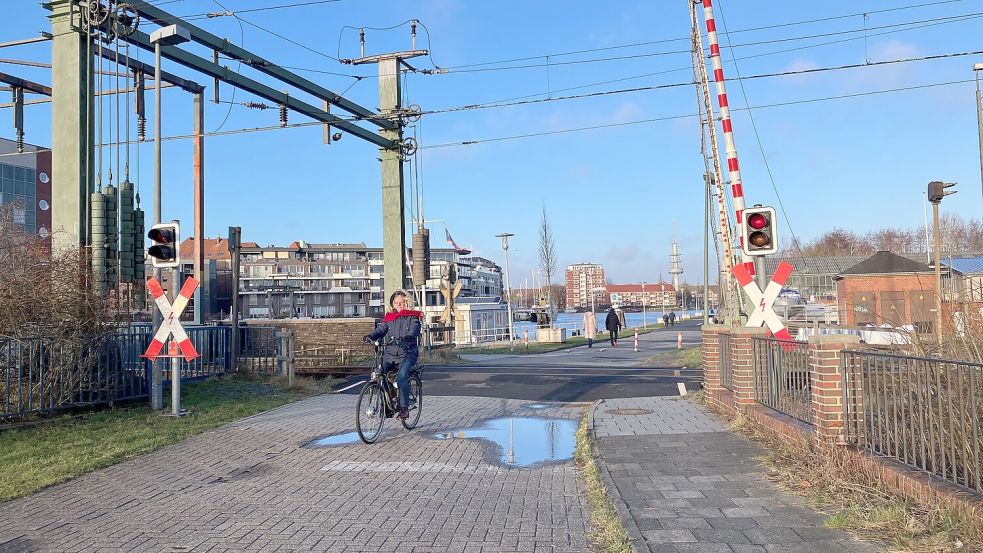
x,y
577,129
687,39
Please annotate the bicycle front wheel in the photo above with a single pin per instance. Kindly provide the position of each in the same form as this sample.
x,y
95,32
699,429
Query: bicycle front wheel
x,y
370,412
416,403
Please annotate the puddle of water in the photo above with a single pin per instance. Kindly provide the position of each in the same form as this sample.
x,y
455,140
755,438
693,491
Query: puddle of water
x,y
523,441
338,439
535,406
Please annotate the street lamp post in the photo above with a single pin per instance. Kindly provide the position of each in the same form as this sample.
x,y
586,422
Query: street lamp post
x,y
644,302
164,36
508,285
936,191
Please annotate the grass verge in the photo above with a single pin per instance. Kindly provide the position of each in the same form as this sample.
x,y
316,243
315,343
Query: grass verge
x,y
65,447
690,357
836,483
606,534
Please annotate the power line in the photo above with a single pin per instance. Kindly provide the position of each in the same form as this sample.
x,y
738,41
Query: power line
x,y
683,116
917,24
208,15
666,71
687,38
690,83
560,131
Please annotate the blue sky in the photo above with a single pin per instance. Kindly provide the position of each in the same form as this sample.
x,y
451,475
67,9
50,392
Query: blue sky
x,y
612,193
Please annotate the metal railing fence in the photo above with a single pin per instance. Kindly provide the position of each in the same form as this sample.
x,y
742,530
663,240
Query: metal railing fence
x,y
924,412
726,367
40,375
781,376
259,348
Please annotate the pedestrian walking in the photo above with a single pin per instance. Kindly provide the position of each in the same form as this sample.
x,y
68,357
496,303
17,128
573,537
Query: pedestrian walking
x,y
621,316
612,324
672,318
665,320
590,327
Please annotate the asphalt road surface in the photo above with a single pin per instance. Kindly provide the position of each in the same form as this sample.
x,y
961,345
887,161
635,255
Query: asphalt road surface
x,y
574,374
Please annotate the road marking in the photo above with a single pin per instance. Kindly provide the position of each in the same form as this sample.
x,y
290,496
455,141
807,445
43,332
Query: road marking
x,y
352,386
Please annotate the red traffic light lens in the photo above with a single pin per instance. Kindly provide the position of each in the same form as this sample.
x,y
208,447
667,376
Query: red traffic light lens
x,y
757,221
759,239
161,236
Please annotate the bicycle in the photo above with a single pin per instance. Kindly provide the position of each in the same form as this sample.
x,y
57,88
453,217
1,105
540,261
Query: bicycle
x,y
378,399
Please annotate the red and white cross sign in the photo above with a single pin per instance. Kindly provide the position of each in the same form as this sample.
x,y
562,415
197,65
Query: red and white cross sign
x,y
764,311
172,320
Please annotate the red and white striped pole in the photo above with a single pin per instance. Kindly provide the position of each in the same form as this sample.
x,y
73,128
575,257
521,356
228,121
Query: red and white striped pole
x,y
733,168
636,340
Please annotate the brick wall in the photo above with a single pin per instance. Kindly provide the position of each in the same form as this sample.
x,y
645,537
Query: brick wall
x,y
326,336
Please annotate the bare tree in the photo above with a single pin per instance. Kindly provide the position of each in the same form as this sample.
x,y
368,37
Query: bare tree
x,y
547,254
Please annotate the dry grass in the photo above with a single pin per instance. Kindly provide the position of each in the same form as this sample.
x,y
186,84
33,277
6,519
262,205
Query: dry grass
x,y
837,483
606,534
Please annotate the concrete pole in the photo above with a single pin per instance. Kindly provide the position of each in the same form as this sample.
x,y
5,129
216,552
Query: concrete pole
x,y
199,192
157,372
235,235
706,249
393,229
72,136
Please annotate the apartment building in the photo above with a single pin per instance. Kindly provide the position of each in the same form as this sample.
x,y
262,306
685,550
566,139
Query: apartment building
x,y
343,280
585,285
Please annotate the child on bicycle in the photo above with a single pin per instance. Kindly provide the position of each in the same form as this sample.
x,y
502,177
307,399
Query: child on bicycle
x,y
403,326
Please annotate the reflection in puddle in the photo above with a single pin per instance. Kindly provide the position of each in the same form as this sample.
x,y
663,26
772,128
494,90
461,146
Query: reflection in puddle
x,y
524,441
535,406
339,439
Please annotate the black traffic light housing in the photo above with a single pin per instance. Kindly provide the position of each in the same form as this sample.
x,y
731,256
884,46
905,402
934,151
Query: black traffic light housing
x,y
165,252
937,190
759,233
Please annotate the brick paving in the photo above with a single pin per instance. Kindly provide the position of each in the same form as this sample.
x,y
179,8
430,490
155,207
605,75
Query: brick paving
x,y
683,483
252,486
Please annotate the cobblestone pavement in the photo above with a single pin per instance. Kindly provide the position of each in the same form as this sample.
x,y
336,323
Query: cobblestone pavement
x,y
252,486
683,483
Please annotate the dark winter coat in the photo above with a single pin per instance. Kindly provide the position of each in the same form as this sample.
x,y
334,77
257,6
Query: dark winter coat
x,y
612,322
405,327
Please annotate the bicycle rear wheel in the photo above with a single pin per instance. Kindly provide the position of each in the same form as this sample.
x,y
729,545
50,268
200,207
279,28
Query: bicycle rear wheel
x,y
416,403
370,412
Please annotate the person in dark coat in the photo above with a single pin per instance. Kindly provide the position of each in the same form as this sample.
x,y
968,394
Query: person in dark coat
x,y
612,323
404,326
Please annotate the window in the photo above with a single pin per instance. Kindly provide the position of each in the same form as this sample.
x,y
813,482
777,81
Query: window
x,y
922,305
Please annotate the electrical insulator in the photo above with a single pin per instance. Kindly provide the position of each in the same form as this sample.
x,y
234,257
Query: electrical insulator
x,y
283,116
141,128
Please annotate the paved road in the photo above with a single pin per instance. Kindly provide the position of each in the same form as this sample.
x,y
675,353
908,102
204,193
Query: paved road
x,y
574,374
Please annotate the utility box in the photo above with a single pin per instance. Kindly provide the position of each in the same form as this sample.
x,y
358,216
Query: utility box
x,y
551,335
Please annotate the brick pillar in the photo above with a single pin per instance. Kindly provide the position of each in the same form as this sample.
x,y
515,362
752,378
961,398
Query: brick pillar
x,y
826,381
711,357
742,361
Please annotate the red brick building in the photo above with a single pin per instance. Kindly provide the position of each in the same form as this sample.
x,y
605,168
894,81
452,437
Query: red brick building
x,y
887,289
585,280
655,295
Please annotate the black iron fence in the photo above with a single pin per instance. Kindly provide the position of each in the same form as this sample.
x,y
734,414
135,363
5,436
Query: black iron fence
x,y
40,375
726,369
923,412
781,377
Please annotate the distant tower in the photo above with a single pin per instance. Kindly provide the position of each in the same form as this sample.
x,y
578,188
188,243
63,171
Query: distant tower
x,y
675,269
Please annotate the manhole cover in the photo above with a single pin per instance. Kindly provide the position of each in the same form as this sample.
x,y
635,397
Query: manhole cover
x,y
630,411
